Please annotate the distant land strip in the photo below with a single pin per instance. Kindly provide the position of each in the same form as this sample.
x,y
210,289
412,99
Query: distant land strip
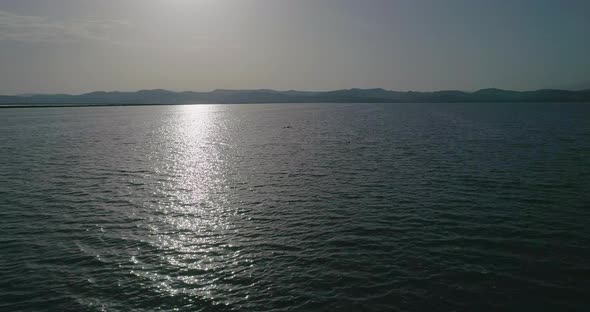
x,y
163,97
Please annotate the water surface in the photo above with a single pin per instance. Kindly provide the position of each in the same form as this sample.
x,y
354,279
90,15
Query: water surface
x,y
296,207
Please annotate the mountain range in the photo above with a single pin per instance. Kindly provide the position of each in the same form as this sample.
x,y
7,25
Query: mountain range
x,y
159,96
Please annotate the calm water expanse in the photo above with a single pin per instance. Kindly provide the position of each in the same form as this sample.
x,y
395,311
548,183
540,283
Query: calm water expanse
x,y
296,207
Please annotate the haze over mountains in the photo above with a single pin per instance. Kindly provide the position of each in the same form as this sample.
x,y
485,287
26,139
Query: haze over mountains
x,y
159,96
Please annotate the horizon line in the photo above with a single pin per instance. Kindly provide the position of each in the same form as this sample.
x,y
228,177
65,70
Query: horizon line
x,y
27,94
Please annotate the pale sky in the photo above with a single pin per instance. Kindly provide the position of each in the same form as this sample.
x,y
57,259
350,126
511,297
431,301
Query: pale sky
x,y
77,46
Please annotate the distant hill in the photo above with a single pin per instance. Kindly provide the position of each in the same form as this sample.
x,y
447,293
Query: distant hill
x,y
160,96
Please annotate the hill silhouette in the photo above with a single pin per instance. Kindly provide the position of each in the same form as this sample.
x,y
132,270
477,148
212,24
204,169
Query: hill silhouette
x,y
160,96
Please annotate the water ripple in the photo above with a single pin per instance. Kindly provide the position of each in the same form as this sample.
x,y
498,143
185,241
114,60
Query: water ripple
x,y
357,207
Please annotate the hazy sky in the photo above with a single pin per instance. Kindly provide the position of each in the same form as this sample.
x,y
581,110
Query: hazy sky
x,y
76,46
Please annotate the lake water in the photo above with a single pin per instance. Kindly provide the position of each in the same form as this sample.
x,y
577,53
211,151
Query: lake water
x,y
296,207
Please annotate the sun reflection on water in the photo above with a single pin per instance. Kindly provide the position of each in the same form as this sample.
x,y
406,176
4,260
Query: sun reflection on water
x,y
191,219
